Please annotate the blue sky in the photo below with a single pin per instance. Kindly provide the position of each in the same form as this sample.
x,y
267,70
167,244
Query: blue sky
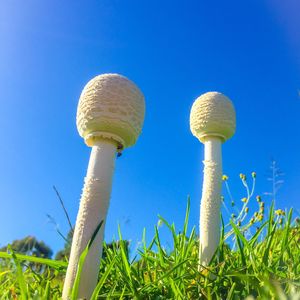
x,y
174,51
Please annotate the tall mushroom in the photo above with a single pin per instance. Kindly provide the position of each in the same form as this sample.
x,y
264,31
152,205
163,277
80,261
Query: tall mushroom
x,y
212,121
110,116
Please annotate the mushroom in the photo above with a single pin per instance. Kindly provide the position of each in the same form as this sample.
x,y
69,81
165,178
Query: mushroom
x,y
212,121
110,116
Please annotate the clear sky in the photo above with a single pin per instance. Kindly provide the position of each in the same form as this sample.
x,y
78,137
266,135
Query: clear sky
x,y
174,51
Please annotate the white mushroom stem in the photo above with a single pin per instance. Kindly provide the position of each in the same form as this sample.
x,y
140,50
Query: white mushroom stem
x,y
211,200
93,208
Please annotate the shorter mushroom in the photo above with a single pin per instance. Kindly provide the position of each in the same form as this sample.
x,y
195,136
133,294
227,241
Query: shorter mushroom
x,y
110,116
212,121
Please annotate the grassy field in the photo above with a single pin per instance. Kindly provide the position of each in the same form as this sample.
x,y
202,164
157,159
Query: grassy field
x,y
258,258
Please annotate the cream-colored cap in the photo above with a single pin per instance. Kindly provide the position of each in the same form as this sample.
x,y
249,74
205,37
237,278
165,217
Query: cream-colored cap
x,y
212,114
110,106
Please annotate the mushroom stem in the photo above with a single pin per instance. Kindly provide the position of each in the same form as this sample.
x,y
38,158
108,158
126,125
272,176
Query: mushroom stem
x,y
211,200
93,209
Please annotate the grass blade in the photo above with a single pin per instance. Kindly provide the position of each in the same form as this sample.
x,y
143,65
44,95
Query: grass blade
x,y
102,280
56,264
20,275
74,294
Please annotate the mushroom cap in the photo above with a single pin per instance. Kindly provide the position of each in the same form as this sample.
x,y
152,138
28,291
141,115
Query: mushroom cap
x,y
212,115
110,106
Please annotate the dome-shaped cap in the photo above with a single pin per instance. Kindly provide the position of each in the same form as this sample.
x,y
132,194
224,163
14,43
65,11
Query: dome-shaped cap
x,y
212,114
111,106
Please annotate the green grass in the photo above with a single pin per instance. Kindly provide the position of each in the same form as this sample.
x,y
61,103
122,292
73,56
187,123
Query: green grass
x,y
258,257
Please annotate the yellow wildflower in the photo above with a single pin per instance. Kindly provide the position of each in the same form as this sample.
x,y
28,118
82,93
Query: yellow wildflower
x,y
280,212
224,177
243,176
260,217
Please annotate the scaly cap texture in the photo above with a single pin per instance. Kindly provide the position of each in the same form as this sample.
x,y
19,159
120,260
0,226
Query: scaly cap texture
x,y
212,114
110,106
